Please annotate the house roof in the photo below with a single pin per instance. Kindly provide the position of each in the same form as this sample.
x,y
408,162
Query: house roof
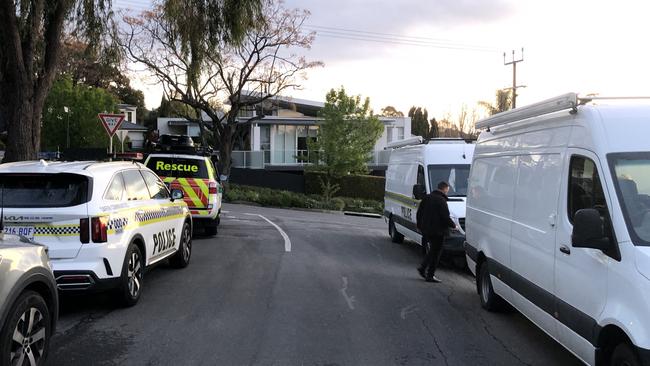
x,y
127,107
128,126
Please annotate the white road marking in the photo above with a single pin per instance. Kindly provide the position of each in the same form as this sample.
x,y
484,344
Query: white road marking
x,y
287,241
407,310
349,299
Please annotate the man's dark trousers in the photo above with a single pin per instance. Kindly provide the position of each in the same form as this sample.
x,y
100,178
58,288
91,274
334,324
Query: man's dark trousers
x,y
432,258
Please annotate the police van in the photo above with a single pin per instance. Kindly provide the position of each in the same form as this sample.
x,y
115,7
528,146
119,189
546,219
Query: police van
x,y
558,222
414,171
196,176
103,223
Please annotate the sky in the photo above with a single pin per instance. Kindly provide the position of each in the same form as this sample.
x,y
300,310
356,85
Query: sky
x,y
443,54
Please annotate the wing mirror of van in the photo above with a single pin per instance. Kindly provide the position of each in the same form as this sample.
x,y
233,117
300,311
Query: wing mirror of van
x,y
589,230
419,191
177,194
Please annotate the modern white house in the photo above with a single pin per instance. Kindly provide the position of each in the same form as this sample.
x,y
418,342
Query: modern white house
x,y
136,132
278,134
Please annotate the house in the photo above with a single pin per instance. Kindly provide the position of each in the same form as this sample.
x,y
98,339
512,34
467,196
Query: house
x,y
278,141
136,132
181,126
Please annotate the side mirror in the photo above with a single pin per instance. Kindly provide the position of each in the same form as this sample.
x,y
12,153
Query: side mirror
x,y
589,230
419,191
177,194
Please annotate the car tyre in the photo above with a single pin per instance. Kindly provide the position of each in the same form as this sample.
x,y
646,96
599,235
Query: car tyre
x,y
624,355
210,228
26,334
490,301
395,236
182,257
132,276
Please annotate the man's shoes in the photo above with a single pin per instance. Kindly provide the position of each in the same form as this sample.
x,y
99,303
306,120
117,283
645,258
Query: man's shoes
x,y
433,279
422,273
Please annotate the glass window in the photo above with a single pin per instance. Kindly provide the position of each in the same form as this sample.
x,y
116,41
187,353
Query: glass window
x,y
44,190
400,133
420,179
585,189
136,188
389,134
178,167
457,176
115,191
157,189
631,173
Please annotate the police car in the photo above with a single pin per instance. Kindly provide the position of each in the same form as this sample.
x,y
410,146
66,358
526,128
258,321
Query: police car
x,y
103,222
196,176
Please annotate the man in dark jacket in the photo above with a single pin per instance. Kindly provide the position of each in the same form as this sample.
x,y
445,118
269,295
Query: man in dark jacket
x,y
434,223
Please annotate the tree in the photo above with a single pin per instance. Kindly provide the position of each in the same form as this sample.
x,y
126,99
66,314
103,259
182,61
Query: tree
x,y
262,66
83,103
390,111
433,131
347,135
31,47
419,121
503,102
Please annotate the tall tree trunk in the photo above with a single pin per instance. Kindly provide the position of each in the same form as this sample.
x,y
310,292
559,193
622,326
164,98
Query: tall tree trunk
x,y
22,141
225,149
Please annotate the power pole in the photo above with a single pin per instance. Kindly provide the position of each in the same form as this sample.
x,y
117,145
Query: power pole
x,y
514,75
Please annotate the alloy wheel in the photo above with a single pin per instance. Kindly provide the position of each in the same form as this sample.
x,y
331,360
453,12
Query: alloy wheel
x,y
134,274
28,341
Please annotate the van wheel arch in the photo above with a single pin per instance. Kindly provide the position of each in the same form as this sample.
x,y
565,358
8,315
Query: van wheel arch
x,y
395,236
609,338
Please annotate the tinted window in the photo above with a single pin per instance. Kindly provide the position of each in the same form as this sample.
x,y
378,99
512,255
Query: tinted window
x,y
136,188
43,190
631,174
585,189
115,191
178,167
157,189
456,175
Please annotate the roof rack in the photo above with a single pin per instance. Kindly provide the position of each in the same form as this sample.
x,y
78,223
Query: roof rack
x,y
559,103
415,140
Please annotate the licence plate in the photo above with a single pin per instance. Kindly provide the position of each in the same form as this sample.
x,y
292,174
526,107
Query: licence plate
x,y
26,231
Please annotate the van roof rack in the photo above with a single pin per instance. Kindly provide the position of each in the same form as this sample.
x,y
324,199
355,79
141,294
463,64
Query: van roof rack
x,y
559,103
435,140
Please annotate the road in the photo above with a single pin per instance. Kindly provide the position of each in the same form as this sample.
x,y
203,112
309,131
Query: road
x,y
335,291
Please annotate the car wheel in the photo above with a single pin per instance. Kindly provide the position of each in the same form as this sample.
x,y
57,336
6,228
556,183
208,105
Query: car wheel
x,y
624,355
25,337
182,257
132,275
489,299
395,236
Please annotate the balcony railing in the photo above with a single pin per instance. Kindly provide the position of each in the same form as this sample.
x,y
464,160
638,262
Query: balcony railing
x,y
260,159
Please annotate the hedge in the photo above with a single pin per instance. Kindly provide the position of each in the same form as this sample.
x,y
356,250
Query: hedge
x,y
356,186
278,198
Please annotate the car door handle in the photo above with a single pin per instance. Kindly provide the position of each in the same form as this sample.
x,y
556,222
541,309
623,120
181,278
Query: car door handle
x,y
565,249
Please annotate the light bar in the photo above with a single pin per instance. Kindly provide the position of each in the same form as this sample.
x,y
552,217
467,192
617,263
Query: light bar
x,y
560,103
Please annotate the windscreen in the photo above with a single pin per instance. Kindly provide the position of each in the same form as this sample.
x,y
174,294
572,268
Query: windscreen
x,y
178,167
631,173
457,176
43,190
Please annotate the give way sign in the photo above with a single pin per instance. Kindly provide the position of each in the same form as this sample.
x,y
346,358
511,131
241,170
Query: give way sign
x,y
111,122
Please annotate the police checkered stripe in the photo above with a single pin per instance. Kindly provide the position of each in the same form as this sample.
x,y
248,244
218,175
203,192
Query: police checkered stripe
x,y
158,214
56,230
118,223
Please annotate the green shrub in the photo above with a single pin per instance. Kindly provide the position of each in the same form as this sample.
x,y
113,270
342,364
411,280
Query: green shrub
x,y
356,186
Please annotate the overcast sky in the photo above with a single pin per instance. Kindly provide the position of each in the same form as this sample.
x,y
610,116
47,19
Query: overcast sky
x,y
441,54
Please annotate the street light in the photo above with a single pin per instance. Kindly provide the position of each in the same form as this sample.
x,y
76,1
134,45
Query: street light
x,y
67,130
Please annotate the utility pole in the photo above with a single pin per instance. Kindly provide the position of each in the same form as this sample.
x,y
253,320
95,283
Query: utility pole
x,y
514,75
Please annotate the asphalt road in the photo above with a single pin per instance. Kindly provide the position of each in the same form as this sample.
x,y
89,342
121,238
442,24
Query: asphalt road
x,y
343,295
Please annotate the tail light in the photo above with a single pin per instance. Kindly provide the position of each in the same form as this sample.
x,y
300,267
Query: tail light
x,y
212,188
84,231
99,229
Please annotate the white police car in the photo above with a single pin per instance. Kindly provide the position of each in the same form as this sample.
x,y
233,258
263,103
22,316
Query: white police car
x,y
103,222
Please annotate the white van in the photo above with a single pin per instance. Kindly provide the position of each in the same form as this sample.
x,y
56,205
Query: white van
x,y
558,222
416,170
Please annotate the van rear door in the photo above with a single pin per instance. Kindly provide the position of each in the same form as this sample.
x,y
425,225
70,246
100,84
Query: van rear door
x,y
46,208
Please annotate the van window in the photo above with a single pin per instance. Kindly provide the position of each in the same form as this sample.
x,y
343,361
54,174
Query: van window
x,y
115,191
136,188
178,167
456,175
585,188
631,175
420,179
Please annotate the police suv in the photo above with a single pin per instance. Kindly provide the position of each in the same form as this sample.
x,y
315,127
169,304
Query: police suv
x,y
103,222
